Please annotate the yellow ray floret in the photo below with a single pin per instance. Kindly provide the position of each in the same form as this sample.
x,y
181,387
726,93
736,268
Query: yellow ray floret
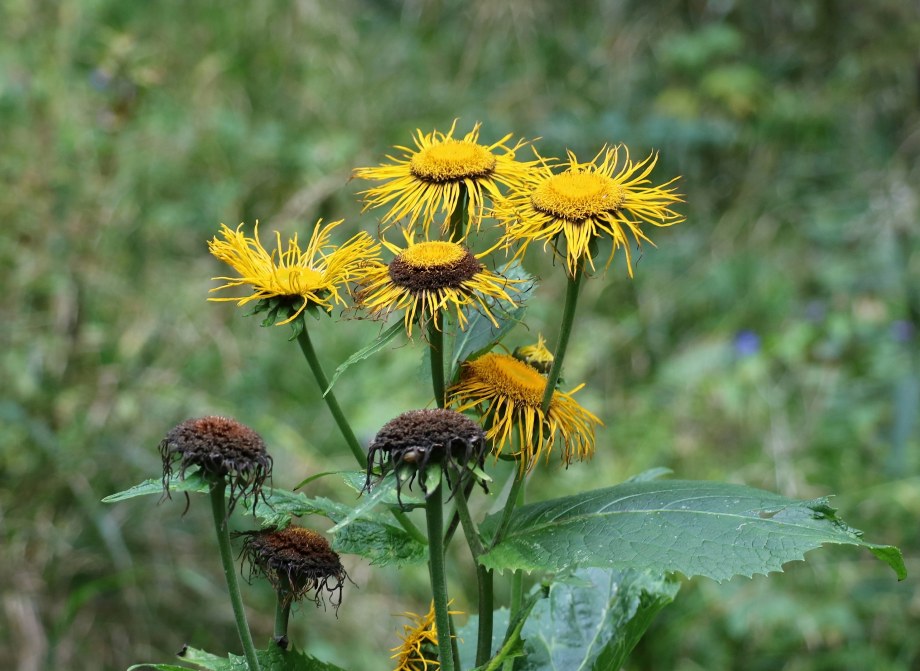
x,y
429,179
315,275
536,354
419,648
509,394
587,201
428,278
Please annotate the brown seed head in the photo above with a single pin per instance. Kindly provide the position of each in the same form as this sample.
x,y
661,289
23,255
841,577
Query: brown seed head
x,y
220,448
417,438
296,561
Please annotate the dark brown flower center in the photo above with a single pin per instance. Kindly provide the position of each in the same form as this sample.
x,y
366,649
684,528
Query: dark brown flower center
x,y
429,266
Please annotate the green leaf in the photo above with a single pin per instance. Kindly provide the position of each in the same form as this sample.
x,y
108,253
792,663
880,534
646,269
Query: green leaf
x,y
379,343
381,543
480,334
367,534
272,658
712,529
594,620
509,647
192,482
384,490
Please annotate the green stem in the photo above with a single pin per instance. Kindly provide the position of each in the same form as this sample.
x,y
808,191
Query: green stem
x,y
282,615
459,217
565,330
219,510
455,518
306,346
510,503
436,351
484,583
434,515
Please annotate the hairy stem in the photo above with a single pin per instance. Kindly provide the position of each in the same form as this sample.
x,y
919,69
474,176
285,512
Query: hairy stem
x,y
484,583
219,510
306,346
434,515
565,330
282,615
436,351
459,217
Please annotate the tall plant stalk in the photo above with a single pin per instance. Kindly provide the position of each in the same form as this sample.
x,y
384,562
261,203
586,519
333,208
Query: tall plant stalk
x,y
309,352
219,510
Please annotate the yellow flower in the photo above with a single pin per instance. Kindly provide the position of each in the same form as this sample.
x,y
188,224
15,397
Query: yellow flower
x,y
509,393
537,355
585,202
428,277
309,277
430,178
419,648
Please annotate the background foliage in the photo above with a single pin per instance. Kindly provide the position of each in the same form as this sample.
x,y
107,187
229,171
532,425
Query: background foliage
x,y
770,340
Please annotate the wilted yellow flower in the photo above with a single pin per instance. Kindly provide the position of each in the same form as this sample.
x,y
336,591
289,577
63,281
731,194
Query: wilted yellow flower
x,y
587,201
429,178
426,278
509,394
419,648
313,276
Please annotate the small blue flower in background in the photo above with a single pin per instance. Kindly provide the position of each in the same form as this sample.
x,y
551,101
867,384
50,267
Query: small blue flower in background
x,y
902,330
747,343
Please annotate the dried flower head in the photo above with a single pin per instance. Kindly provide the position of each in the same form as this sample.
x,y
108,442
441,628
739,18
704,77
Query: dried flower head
x,y
418,439
419,648
585,202
219,448
292,280
427,278
296,561
429,178
536,354
509,395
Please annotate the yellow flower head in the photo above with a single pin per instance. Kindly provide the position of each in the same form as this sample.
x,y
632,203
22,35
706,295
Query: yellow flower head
x,y
430,177
419,648
509,393
309,277
585,202
426,278
537,355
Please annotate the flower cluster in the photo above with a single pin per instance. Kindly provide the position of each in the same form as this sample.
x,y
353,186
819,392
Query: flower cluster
x,y
440,280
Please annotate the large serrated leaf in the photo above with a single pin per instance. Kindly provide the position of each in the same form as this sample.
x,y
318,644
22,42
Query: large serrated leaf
x,y
272,658
712,529
379,343
595,621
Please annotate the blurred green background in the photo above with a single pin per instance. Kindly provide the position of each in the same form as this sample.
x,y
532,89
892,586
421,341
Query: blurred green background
x,y
769,340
